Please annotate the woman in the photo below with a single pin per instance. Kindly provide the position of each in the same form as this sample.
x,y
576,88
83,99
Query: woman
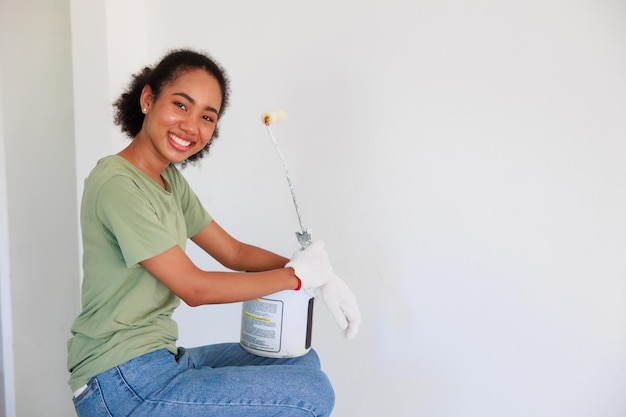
x,y
137,213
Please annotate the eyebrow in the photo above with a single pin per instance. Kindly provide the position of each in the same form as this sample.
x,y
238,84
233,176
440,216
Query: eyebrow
x,y
190,99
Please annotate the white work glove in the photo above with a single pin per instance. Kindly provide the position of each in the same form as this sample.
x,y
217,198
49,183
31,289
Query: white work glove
x,y
311,265
342,304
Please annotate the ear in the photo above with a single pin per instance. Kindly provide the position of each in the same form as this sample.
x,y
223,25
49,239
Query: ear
x,y
146,98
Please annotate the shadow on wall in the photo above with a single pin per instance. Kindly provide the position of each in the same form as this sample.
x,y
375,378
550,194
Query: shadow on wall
x,y
2,402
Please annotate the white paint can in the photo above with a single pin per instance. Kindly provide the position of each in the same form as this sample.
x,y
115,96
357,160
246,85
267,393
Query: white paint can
x,y
278,325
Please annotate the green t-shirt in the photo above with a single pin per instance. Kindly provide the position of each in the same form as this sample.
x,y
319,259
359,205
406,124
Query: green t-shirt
x,y
126,218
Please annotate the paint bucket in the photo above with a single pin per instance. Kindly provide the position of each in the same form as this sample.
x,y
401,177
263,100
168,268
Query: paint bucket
x,y
278,325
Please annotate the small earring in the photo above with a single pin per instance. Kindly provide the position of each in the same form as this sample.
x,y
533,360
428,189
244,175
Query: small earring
x,y
145,110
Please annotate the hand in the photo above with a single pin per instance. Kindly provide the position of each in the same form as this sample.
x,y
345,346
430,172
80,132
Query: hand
x,y
311,265
342,304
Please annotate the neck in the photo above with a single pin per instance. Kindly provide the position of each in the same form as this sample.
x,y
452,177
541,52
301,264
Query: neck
x,y
141,159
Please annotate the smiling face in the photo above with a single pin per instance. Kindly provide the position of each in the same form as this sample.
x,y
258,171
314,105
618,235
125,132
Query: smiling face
x,y
182,119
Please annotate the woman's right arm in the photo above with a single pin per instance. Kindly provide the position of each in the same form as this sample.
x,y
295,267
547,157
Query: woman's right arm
x,y
197,287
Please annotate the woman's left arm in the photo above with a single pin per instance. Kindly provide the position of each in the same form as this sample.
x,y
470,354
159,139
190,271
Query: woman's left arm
x,y
236,255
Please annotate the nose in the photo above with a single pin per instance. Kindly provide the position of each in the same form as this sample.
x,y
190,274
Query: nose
x,y
189,125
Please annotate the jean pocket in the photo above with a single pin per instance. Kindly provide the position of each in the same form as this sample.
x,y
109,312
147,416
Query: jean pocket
x,y
90,402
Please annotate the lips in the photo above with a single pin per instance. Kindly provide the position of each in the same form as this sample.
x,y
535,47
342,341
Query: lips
x,y
182,143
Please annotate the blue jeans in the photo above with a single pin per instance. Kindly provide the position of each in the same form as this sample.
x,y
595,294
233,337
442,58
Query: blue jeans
x,y
215,380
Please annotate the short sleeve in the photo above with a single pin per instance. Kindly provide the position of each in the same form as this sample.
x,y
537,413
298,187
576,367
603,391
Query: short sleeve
x,y
196,216
132,218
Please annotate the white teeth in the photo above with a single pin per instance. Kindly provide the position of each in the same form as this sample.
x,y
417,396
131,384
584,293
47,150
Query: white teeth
x,y
181,142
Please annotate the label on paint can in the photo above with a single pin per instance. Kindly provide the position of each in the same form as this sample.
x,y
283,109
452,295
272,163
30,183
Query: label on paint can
x,y
278,325
261,324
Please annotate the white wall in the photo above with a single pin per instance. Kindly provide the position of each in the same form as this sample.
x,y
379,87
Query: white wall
x,y
7,368
463,162
39,250
39,240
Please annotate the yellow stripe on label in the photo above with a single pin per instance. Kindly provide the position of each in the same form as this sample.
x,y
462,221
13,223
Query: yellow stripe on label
x,y
256,317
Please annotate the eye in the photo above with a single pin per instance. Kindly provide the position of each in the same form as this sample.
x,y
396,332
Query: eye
x,y
209,118
180,105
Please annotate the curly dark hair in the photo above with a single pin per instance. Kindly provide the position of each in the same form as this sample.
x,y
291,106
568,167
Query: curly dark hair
x,y
128,114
